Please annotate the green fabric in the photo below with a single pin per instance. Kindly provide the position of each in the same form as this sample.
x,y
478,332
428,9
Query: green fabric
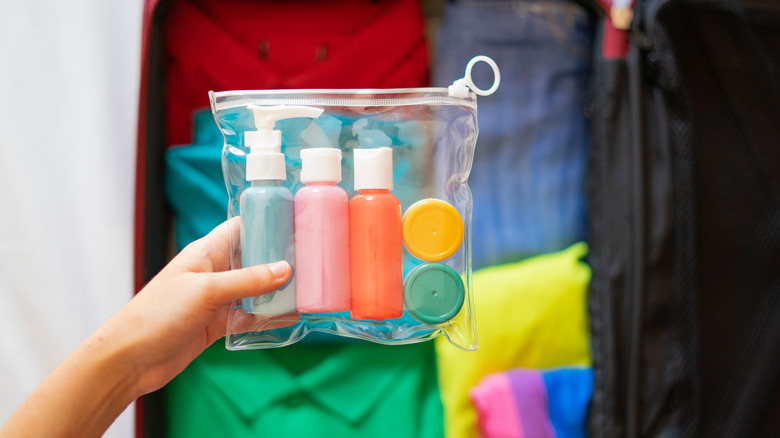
x,y
350,390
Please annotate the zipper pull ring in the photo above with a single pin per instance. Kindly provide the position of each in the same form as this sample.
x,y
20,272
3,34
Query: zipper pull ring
x,y
460,88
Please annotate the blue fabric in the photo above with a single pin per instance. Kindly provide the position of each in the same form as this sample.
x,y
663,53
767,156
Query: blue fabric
x,y
568,393
528,173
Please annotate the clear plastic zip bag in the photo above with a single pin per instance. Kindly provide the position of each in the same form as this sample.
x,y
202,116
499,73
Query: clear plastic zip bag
x,y
365,193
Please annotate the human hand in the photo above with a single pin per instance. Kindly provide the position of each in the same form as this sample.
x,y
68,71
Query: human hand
x,y
184,308
154,337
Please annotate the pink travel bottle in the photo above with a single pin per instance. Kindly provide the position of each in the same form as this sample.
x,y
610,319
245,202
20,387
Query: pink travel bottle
x,y
321,234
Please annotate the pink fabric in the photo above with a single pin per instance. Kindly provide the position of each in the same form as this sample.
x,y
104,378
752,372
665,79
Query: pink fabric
x,y
496,408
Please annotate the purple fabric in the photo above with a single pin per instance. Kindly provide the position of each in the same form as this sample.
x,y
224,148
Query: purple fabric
x,y
531,399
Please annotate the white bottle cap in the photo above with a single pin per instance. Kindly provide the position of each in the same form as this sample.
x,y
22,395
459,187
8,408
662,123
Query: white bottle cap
x,y
373,168
266,166
320,165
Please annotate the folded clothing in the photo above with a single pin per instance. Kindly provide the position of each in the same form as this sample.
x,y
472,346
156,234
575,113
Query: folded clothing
x,y
529,167
530,314
356,390
254,45
533,403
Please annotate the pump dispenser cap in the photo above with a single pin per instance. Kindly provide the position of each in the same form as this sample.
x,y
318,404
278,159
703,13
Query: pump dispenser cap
x,y
320,165
267,116
373,168
265,160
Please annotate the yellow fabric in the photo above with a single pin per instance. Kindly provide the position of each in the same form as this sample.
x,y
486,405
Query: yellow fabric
x,y
530,314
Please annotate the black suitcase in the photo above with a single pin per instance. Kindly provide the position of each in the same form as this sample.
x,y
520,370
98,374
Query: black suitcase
x,y
684,203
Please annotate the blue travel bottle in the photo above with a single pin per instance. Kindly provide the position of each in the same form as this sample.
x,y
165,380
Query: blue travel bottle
x,y
266,207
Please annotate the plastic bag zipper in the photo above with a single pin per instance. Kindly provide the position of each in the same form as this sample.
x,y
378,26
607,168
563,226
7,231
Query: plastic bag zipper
x,y
327,102
461,93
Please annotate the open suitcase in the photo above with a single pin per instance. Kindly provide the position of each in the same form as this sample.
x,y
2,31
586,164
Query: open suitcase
x,y
683,187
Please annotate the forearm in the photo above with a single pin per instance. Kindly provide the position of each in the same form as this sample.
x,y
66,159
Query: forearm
x,y
81,397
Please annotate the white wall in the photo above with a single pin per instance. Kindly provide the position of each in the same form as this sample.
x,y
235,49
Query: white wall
x,y
69,74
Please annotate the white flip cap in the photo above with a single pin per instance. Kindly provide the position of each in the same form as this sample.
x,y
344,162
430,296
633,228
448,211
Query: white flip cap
x,y
320,165
373,168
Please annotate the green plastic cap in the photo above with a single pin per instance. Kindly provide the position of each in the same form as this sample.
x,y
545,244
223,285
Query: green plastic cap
x,y
434,293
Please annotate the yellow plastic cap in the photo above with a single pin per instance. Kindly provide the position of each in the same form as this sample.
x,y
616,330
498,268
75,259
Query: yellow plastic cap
x,y
433,230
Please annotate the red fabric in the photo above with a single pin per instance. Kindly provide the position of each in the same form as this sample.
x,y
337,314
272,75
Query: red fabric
x,y
305,44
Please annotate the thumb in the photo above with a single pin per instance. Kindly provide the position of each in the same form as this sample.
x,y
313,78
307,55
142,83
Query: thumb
x,y
227,286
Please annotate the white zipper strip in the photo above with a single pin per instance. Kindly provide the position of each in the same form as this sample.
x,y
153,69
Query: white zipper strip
x,y
239,99
418,90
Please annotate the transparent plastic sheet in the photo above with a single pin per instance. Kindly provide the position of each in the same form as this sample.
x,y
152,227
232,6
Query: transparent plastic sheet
x,y
432,134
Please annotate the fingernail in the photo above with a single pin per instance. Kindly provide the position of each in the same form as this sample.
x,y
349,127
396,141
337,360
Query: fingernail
x,y
279,269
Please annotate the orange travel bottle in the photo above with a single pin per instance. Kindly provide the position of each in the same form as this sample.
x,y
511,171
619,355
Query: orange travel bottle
x,y
375,251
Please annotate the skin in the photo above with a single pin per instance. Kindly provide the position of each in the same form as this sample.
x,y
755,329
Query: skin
x,y
147,343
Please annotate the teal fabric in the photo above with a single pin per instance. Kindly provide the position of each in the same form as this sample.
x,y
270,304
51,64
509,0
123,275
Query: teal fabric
x,y
194,186
316,387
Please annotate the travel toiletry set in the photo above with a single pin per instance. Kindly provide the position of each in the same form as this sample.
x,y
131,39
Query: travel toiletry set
x,y
365,193
346,254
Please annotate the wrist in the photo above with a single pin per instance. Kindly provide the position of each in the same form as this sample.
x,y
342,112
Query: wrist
x,y
102,381
111,362
111,354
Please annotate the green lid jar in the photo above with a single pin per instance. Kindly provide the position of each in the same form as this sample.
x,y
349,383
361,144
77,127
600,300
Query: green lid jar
x,y
434,293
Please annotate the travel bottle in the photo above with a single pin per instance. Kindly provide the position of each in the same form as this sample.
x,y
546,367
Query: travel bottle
x,y
266,207
321,234
375,239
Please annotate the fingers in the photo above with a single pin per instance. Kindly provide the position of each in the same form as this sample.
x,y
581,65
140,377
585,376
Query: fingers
x,y
211,253
227,286
218,243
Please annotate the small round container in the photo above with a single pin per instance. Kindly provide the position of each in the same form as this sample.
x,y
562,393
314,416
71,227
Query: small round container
x,y
434,293
432,229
